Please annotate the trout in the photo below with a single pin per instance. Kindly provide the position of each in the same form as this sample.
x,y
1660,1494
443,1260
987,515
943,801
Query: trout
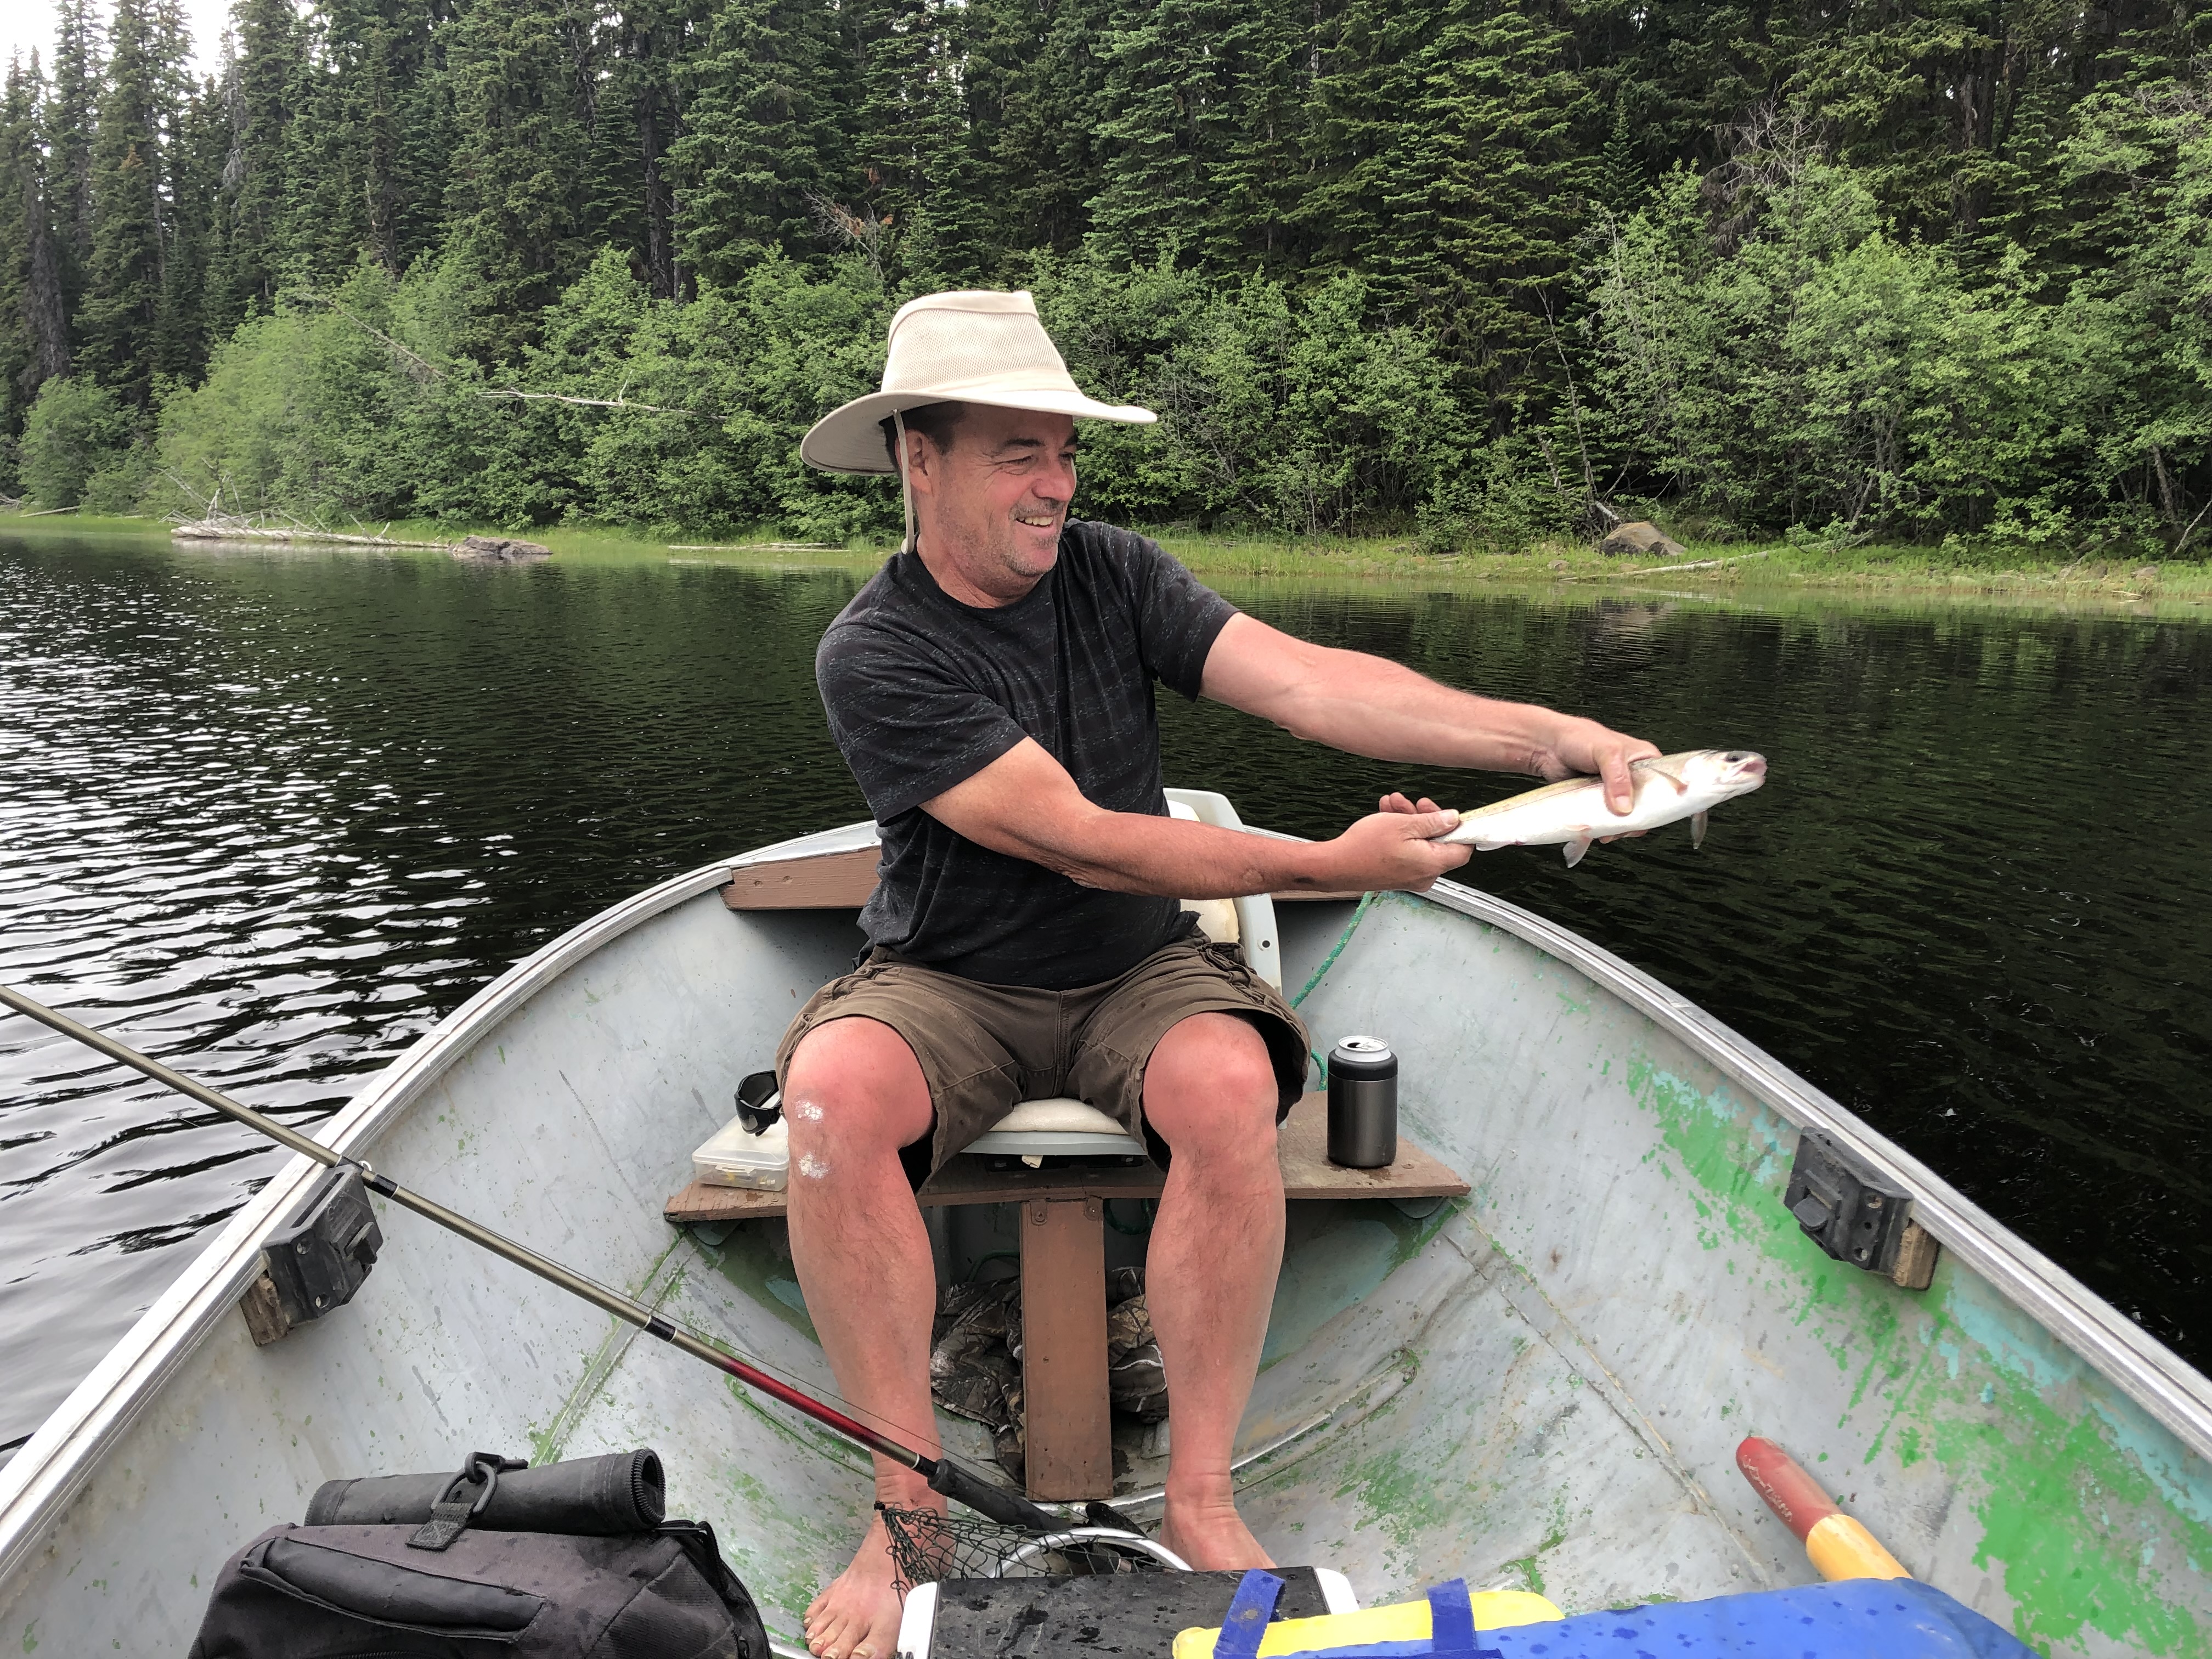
x,y
1573,814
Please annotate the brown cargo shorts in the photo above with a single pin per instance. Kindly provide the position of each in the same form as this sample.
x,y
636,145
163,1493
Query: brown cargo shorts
x,y
985,1048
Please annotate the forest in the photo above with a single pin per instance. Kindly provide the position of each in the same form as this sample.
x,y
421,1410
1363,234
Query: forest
x,y
1476,271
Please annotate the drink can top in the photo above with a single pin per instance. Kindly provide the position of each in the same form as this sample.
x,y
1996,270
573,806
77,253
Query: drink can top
x,y
1368,1048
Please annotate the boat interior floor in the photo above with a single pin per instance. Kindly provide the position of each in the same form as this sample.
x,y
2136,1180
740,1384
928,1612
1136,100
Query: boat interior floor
x,y
1423,1413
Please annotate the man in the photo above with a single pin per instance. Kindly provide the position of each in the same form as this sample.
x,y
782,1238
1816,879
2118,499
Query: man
x,y
992,689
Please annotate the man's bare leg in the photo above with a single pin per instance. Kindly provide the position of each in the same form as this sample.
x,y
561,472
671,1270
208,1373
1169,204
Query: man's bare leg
x,y
1210,1272
855,1094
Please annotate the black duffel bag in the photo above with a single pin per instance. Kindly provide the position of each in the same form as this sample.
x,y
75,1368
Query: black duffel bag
x,y
571,1561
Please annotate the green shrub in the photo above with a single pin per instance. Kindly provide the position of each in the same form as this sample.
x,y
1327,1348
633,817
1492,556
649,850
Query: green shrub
x,y
75,430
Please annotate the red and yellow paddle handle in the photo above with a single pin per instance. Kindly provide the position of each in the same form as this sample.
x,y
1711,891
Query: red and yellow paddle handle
x,y
1838,1546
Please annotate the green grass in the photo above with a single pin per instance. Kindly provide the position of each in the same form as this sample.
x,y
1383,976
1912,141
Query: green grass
x,y
1726,570
1741,566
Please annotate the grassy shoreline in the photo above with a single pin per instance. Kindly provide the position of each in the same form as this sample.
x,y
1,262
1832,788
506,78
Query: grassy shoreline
x,y
1706,570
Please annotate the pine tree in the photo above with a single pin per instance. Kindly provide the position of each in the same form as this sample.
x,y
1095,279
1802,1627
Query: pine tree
x,y
1620,174
345,183
647,43
1162,78
122,315
1034,79
520,181
249,220
762,155
1465,212
910,143
195,157
33,325
1202,118
73,112
1252,208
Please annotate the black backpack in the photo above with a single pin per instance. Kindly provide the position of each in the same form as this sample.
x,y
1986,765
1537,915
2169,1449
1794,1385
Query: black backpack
x,y
570,1561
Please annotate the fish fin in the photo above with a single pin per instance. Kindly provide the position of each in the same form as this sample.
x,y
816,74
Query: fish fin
x,y
1575,849
1698,822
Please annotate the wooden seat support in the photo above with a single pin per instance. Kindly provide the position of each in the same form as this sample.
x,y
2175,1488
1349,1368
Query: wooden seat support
x,y
1069,1448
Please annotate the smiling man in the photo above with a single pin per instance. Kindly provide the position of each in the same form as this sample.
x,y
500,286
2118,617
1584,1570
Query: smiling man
x,y
992,689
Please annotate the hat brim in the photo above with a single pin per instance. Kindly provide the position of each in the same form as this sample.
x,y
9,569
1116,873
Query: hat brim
x,y
850,438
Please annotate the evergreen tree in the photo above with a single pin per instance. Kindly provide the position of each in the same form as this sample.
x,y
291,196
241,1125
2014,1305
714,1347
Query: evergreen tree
x,y
1466,210
1034,78
648,44
910,137
69,127
122,318
1157,112
34,273
1202,120
249,219
33,324
346,184
195,155
761,158
521,181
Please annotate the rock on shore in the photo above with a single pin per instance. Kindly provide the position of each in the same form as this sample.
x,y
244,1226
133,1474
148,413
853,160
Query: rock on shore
x,y
1642,537
500,549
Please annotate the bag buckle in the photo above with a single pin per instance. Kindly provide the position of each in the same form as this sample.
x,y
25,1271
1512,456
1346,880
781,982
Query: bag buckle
x,y
451,1514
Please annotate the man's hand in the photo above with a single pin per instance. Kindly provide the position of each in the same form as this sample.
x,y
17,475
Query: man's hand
x,y
1582,747
1395,847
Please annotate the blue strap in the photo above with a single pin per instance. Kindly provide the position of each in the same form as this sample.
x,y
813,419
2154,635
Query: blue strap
x,y
1246,1621
1452,1621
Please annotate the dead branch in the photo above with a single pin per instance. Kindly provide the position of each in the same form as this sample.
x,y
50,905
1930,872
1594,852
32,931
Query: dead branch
x,y
589,403
435,373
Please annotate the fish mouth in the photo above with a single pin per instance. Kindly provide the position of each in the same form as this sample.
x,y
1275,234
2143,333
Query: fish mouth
x,y
1744,769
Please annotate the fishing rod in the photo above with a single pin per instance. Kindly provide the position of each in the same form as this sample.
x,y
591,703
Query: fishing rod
x,y
943,1474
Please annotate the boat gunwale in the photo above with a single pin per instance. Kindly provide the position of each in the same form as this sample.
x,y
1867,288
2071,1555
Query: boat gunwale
x,y
54,1466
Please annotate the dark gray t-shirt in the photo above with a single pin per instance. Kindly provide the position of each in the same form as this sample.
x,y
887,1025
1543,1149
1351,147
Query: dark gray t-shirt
x,y
923,692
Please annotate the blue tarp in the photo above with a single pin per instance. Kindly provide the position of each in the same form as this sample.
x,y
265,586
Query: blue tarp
x,y
1857,1619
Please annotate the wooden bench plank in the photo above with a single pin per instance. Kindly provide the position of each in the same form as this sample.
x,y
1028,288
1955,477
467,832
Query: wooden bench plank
x,y
1068,1441
1302,1147
825,881
842,881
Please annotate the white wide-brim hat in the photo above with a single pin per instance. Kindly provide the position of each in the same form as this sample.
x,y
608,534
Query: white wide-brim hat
x,y
970,347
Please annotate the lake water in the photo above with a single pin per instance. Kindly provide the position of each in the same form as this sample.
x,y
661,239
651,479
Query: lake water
x,y
267,815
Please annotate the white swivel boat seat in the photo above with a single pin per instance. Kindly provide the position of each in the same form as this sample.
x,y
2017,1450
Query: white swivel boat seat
x,y
1061,1128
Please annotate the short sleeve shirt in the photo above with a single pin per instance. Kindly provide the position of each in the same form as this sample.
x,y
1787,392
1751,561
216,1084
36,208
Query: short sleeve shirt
x,y
923,692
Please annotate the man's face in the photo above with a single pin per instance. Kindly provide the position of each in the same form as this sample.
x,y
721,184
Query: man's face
x,y
994,502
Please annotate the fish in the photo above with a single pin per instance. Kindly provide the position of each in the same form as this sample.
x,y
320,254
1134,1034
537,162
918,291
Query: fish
x,y
1573,813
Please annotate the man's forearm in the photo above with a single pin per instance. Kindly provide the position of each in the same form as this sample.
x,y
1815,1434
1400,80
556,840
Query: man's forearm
x,y
1135,853
1025,806
1369,706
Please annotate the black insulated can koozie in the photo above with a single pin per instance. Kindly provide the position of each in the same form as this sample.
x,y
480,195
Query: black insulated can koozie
x,y
1363,1104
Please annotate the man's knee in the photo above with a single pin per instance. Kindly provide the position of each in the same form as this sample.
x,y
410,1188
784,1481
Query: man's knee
x,y
853,1085
1210,1087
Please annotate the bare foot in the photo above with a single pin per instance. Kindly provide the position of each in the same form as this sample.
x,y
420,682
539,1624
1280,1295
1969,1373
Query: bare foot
x,y
857,1617
1212,1537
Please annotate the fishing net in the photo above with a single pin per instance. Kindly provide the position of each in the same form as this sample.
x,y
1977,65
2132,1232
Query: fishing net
x,y
927,1546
